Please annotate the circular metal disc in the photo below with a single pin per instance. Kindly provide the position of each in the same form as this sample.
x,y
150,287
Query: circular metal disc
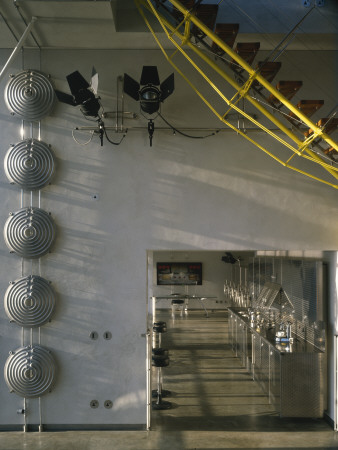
x,y
30,371
29,232
30,164
30,95
30,301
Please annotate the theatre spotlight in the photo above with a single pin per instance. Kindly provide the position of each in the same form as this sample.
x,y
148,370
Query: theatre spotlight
x,y
149,92
229,258
83,94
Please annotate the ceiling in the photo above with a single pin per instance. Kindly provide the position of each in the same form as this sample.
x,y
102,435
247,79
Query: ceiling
x,y
117,24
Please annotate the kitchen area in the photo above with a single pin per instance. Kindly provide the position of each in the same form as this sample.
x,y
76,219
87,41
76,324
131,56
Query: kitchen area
x,y
271,311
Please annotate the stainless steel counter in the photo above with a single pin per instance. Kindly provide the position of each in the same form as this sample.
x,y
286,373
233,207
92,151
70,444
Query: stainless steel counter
x,y
293,376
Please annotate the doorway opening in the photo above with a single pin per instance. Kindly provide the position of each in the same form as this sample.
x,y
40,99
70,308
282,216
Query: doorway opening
x,y
202,380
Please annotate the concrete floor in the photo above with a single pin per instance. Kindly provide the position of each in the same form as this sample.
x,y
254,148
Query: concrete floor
x,y
215,404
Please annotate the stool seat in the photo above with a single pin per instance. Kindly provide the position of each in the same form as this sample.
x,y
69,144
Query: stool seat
x,y
177,301
177,304
159,327
160,352
160,361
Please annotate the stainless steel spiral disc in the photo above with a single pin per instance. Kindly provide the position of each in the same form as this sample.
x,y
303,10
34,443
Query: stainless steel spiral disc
x,y
29,232
30,371
30,95
30,301
30,164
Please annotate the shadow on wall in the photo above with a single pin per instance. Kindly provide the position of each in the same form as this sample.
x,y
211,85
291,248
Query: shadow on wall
x,y
211,202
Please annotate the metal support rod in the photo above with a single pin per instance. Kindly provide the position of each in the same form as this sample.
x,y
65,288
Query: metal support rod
x,y
18,46
24,21
285,39
148,378
203,305
40,416
122,105
117,104
10,29
154,309
25,414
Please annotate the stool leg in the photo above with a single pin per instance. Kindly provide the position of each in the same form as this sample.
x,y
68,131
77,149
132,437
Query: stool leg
x,y
163,392
159,403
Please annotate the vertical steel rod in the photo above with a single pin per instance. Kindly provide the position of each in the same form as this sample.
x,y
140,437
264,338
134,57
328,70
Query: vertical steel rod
x,y
18,46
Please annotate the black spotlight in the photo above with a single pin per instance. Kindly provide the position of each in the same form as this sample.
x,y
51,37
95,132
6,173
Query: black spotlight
x,y
229,258
149,92
83,94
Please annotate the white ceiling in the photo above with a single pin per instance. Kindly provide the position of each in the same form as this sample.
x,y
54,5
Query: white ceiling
x,y
105,24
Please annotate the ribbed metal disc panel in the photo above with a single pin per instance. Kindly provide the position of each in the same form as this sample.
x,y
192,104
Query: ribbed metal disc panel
x,y
30,164
30,301
30,371
30,95
29,232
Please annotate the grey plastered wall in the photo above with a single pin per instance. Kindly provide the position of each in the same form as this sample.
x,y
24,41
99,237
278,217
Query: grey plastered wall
x,y
209,194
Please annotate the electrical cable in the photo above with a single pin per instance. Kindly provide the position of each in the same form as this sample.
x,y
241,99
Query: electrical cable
x,y
184,134
82,143
112,142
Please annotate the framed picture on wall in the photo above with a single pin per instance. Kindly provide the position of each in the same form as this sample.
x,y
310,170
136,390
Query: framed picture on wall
x,y
179,273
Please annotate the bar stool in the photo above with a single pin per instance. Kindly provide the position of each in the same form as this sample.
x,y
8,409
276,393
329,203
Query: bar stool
x,y
160,361
158,328
177,304
164,353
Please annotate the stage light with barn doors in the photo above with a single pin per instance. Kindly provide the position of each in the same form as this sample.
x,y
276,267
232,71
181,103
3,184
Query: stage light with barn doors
x,y
149,92
85,95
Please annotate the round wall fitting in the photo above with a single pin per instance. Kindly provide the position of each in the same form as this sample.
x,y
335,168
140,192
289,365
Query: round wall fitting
x,y
30,164
30,301
30,371
30,95
29,232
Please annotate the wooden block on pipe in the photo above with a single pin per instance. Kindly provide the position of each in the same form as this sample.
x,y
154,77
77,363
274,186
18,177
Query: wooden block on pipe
x,y
331,153
227,32
268,70
206,14
330,125
287,88
307,107
247,51
188,4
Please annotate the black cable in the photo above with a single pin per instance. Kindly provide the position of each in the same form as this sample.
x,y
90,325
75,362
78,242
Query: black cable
x,y
184,134
112,142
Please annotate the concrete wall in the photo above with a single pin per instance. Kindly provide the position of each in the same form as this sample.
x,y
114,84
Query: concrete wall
x,y
180,194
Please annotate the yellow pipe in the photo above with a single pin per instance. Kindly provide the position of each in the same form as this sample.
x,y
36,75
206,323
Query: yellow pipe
x,y
234,85
315,157
224,121
259,78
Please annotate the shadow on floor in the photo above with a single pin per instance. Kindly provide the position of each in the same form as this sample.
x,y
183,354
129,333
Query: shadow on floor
x,y
266,423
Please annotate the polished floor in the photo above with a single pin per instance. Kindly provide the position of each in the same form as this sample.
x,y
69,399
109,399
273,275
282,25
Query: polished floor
x,y
214,403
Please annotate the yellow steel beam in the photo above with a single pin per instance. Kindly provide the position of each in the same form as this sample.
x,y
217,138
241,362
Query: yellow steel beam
x,y
206,30
242,89
167,26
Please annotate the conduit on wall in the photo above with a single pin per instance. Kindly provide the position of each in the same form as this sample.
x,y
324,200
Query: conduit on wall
x,y
183,40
